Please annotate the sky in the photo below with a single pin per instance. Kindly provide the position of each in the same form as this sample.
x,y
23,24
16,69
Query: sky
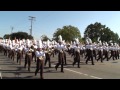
x,y
47,22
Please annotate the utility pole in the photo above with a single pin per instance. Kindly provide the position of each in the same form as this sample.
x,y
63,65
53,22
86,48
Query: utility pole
x,y
31,18
12,29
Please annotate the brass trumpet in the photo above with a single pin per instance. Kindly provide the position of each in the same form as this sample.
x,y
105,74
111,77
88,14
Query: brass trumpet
x,y
41,57
31,50
29,53
48,51
78,50
61,51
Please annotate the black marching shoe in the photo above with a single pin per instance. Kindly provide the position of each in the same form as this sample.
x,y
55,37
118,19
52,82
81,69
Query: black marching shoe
x,y
35,73
41,78
86,62
56,68
62,71
73,64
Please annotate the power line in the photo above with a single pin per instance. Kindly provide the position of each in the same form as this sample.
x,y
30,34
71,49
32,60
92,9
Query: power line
x,y
31,18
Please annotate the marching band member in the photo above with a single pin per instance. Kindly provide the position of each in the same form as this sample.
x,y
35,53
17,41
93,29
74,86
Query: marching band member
x,y
28,55
26,50
35,48
89,48
40,60
61,54
100,52
19,54
48,53
112,49
106,51
77,53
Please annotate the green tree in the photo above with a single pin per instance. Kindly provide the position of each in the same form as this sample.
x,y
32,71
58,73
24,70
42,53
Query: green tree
x,y
116,38
96,30
6,36
68,33
45,38
82,40
119,41
21,35
1,38
18,35
106,35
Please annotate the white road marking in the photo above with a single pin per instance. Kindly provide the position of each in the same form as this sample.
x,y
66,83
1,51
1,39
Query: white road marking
x,y
95,77
81,73
73,71
0,75
85,74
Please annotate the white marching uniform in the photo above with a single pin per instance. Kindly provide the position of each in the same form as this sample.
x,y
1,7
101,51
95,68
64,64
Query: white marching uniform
x,y
61,47
40,53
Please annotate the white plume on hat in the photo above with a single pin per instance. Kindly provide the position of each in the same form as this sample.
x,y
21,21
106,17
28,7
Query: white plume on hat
x,y
100,43
111,44
106,43
44,42
40,44
13,42
28,42
5,40
64,42
48,42
98,39
10,41
35,42
60,38
20,42
74,43
77,41
87,42
53,42
90,41
115,44
23,40
103,44
110,41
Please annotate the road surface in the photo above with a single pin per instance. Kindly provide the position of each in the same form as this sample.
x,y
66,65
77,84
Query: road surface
x,y
107,70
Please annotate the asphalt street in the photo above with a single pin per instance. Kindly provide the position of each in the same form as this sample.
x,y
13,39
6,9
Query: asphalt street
x,y
107,70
